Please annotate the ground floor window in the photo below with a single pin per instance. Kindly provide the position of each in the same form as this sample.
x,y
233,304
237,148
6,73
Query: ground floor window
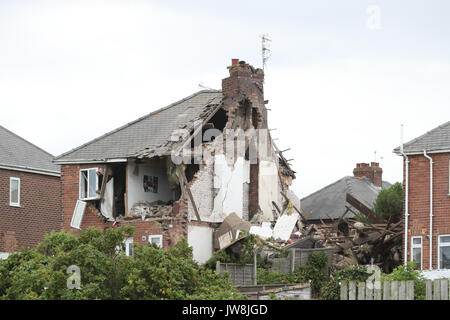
x,y
156,239
444,251
416,250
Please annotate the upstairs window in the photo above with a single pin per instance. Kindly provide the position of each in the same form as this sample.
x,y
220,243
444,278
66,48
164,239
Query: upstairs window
x,y
416,251
88,184
14,192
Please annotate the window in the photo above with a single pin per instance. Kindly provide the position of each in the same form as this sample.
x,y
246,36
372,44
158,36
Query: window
x,y
88,184
156,239
127,246
14,192
416,250
444,252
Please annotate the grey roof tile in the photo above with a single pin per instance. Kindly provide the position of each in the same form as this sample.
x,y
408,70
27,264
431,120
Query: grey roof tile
x,y
435,140
149,133
331,200
19,153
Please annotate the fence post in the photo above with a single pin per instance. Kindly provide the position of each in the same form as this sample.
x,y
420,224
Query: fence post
x,y
369,290
410,290
361,290
394,290
444,289
255,273
386,290
352,290
344,290
218,267
292,260
402,290
437,290
377,290
429,290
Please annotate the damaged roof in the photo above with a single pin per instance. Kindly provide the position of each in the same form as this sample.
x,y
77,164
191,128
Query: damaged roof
x,y
19,154
331,200
147,135
436,140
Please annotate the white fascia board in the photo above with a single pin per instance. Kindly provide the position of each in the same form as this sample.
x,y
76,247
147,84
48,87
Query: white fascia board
x,y
31,170
90,161
417,153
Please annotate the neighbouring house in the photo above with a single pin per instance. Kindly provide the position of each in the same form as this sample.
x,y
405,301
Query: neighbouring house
x,y
181,170
29,193
427,198
357,192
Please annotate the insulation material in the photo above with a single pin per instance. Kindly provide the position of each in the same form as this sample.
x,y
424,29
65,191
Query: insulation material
x,y
284,226
106,205
267,188
229,180
78,214
264,231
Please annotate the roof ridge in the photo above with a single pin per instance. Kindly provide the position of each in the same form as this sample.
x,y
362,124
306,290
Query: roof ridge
x,y
136,121
327,186
423,135
23,139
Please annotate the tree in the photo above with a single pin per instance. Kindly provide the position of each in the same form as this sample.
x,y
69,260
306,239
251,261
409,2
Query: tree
x,y
390,203
106,272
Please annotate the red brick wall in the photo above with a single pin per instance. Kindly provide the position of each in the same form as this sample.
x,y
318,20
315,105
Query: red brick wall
x,y
172,230
419,202
39,212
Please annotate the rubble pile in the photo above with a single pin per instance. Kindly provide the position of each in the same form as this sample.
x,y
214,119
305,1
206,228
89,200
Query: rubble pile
x,y
358,243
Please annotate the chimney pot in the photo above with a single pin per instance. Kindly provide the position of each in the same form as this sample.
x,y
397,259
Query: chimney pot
x,y
234,62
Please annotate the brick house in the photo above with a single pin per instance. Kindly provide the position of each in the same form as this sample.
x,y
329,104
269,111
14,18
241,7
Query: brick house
x,y
29,193
427,198
181,170
330,202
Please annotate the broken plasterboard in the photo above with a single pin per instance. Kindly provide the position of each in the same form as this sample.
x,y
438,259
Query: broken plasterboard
x,y
284,226
78,214
264,231
231,224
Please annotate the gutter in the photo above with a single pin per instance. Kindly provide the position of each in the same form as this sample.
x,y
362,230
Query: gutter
x,y
431,208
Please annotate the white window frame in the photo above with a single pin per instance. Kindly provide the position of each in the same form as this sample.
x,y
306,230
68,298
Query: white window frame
x,y
14,204
159,236
128,241
97,196
441,244
417,246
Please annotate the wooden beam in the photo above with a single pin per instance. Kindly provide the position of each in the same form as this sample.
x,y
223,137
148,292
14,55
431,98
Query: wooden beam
x,y
184,184
358,205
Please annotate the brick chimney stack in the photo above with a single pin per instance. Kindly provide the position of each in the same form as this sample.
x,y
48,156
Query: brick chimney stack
x,y
373,172
243,94
242,76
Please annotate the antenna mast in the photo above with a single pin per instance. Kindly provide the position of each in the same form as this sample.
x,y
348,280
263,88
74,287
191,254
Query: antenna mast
x,y
265,51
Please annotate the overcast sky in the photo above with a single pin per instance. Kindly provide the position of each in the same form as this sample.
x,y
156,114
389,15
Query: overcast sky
x,y
343,75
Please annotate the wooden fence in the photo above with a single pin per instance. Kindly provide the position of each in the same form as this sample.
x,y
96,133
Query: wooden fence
x,y
369,290
393,290
240,275
297,258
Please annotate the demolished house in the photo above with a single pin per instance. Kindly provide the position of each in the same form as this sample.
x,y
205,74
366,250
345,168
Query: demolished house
x,y
341,216
183,169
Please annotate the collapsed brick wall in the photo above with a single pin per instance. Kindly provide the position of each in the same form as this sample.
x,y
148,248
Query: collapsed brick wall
x,y
419,203
172,228
39,212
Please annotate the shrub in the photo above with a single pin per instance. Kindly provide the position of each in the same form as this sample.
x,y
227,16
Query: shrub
x,y
409,272
331,290
106,273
